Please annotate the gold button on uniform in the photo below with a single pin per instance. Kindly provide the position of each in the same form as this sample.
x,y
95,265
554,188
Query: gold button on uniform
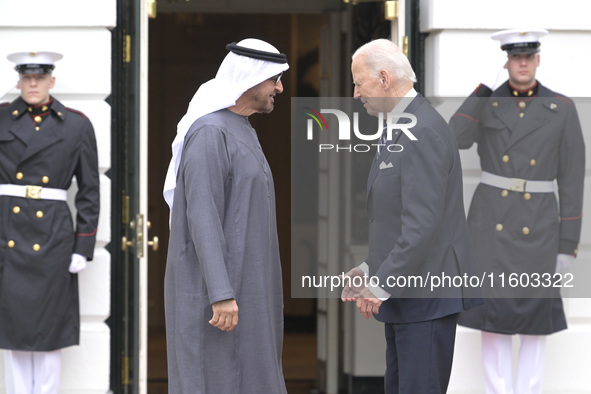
x,y
39,214
38,119
525,230
11,244
504,193
36,247
45,179
527,196
15,112
499,227
506,158
521,115
16,209
522,105
19,175
532,162
44,108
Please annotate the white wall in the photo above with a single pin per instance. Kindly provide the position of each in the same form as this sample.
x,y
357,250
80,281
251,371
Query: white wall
x,y
79,30
459,54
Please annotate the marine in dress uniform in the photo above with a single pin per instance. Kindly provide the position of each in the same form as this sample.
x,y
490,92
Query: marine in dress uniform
x,y
43,145
529,138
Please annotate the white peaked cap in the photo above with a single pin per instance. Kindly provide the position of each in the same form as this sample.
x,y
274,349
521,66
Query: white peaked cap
x,y
520,40
34,62
237,74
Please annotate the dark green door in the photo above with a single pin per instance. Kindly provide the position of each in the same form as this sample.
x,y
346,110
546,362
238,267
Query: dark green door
x,y
125,180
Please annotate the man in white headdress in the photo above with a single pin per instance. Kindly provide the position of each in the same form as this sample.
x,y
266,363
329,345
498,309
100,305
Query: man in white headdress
x,y
223,289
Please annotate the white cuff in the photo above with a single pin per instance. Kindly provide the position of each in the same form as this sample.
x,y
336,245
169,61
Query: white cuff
x,y
377,291
364,267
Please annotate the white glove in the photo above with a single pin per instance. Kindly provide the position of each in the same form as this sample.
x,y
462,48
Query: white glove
x,y
563,262
77,264
500,77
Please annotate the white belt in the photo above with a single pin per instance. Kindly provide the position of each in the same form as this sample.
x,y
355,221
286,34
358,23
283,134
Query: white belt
x,y
34,192
516,184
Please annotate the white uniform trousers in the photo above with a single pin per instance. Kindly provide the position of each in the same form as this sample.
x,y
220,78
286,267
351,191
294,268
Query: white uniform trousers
x,y
32,372
497,355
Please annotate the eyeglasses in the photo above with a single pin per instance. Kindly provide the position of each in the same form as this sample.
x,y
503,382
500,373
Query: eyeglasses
x,y
276,78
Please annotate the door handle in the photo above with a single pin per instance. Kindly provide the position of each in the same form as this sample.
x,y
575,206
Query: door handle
x,y
125,243
137,234
155,241
137,225
154,244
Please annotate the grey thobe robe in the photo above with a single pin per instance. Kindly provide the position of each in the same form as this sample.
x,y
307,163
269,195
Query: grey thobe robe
x,y
223,244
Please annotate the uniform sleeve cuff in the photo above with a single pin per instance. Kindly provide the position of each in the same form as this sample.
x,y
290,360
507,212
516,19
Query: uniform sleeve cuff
x,y
568,247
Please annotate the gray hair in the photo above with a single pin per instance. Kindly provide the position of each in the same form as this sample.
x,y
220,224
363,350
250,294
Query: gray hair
x,y
384,54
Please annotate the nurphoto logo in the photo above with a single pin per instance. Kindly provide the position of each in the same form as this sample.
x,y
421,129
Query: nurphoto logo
x,y
345,126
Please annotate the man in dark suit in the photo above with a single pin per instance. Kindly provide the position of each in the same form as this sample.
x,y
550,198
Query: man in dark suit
x,y
417,227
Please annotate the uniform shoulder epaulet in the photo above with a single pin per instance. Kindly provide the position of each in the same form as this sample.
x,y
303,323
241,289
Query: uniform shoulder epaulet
x,y
76,112
551,93
564,98
482,91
